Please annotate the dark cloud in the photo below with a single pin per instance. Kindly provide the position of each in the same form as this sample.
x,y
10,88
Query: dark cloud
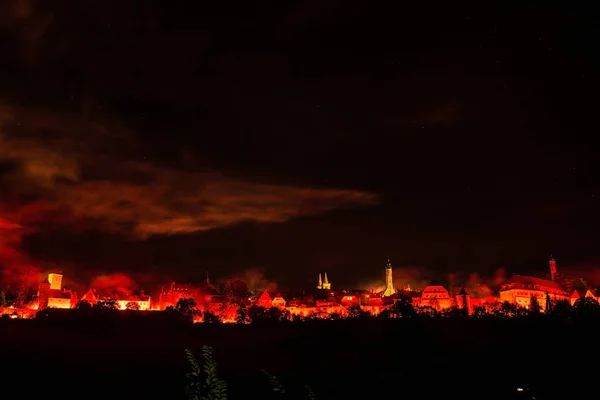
x,y
230,137
53,154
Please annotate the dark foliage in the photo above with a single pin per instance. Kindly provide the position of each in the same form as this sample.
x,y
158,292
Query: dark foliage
x,y
346,358
340,358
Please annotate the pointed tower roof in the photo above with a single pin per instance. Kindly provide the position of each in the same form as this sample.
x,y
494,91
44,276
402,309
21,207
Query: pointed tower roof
x,y
462,292
89,295
326,280
320,280
265,296
551,257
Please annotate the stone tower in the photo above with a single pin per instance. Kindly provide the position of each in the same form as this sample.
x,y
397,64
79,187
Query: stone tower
x,y
463,300
320,284
553,274
55,280
389,280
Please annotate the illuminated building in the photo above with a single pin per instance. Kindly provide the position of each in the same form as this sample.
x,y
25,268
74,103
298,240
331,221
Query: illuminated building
x,y
436,296
324,284
574,297
55,281
389,281
593,294
278,301
141,302
51,294
265,300
372,299
202,293
520,289
349,300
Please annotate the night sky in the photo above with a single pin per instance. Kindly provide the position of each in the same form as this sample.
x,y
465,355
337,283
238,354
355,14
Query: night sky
x,y
295,137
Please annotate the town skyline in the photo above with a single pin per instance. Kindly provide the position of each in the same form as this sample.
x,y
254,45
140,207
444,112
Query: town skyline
x,y
401,278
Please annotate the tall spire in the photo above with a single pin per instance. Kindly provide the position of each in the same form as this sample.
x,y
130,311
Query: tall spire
x,y
320,284
389,280
326,284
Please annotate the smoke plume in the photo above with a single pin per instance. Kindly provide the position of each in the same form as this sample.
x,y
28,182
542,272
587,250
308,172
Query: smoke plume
x,y
17,270
256,281
115,285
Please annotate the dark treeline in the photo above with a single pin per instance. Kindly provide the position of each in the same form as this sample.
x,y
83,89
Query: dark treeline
x,y
132,354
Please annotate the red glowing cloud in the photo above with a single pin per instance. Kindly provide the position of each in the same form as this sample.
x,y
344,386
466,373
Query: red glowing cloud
x,y
62,171
74,175
16,267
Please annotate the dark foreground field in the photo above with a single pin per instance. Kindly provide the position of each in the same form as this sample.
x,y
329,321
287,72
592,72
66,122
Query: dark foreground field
x,y
339,360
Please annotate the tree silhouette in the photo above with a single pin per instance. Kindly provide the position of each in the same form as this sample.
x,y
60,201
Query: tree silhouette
x,y
434,303
561,309
241,315
479,312
428,311
549,303
534,306
211,318
297,318
187,308
403,308
257,314
386,313
334,316
455,312
83,305
356,312
586,308
278,314
132,305
507,310
106,305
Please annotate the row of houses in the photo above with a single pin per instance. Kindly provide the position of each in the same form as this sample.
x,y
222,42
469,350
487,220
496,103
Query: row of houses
x,y
517,290
52,294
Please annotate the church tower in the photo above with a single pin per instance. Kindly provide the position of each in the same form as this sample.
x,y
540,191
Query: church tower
x,y
320,284
553,274
389,280
326,284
